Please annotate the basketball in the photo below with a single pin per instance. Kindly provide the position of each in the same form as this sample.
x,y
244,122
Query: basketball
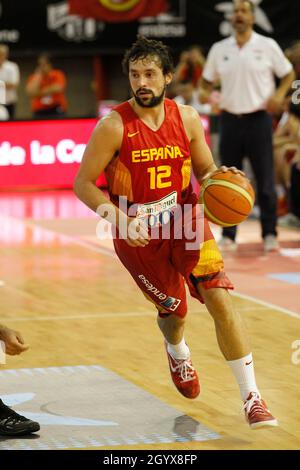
x,y
228,198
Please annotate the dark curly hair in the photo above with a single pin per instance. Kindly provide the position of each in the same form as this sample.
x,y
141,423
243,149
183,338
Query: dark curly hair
x,y
144,47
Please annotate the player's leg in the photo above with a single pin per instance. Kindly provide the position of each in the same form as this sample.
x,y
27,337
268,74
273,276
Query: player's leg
x,y
182,370
234,344
162,285
207,281
230,328
172,327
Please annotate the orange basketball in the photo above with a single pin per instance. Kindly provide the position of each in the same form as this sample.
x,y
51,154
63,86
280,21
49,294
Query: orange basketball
x,y
228,198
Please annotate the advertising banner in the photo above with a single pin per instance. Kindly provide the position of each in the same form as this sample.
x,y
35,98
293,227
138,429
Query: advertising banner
x,y
108,26
42,154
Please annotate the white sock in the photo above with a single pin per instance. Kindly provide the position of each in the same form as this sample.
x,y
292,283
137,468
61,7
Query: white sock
x,y
179,351
243,371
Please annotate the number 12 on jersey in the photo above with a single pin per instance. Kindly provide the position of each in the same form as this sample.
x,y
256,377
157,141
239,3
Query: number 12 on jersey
x,y
158,175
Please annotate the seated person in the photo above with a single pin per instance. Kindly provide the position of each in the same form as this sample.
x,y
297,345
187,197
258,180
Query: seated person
x,y
190,66
188,95
287,159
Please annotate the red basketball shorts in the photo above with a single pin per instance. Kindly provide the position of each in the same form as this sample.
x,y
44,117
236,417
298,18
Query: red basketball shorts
x,y
161,268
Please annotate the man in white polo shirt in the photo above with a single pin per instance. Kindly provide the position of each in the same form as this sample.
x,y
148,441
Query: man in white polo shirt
x,y
10,75
245,65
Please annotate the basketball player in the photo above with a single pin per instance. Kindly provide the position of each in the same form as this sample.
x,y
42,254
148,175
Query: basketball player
x,y
147,146
11,423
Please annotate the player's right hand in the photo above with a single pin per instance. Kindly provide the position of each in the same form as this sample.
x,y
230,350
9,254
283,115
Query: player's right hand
x,y
13,340
137,233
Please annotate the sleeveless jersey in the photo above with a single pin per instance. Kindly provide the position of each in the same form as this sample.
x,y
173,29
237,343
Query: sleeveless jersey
x,y
151,166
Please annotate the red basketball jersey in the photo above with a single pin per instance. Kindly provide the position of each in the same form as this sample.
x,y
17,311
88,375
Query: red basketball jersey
x,y
151,166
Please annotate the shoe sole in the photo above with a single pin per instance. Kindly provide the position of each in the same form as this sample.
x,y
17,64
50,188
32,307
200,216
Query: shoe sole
x,y
264,424
187,396
20,432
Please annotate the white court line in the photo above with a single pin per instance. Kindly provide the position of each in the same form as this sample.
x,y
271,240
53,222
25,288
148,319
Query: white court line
x,y
81,317
268,305
87,316
112,254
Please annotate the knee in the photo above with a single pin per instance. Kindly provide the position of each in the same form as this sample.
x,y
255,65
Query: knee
x,y
224,318
171,319
219,305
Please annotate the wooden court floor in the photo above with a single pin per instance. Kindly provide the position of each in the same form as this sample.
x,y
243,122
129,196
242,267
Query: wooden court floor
x,y
75,304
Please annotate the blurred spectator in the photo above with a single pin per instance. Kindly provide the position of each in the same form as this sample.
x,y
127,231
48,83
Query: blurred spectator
x,y
286,145
245,64
10,75
190,65
287,141
292,219
46,87
4,115
293,54
187,94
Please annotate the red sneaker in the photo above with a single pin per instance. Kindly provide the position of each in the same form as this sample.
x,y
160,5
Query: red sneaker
x,y
257,413
184,376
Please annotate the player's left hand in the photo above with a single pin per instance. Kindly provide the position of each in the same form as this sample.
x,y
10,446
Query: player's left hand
x,y
224,168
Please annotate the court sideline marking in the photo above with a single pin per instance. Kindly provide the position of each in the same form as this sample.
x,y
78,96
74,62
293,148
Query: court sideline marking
x,y
267,304
105,315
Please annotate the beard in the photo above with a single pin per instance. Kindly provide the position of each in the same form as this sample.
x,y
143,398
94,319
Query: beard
x,y
154,100
240,27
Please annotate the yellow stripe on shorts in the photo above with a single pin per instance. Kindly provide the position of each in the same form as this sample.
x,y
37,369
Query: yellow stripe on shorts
x,y
210,260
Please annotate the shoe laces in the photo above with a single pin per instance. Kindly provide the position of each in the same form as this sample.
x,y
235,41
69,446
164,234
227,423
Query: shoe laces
x,y
185,369
254,405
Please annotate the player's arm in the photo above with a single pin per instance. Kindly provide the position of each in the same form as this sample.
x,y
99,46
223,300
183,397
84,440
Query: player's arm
x,y
202,159
104,143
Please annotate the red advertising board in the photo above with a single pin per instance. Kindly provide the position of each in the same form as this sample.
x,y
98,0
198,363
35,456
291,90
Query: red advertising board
x,y
42,154
45,154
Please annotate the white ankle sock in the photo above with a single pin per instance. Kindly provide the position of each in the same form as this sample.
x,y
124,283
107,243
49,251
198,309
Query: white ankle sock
x,y
179,351
243,371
